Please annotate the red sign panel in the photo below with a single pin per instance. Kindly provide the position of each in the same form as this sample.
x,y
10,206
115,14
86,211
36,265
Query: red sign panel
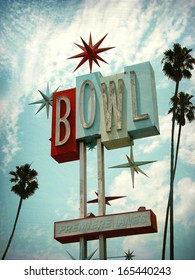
x,y
130,223
63,140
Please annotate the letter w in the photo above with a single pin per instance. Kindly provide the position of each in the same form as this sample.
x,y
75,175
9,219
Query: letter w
x,y
112,104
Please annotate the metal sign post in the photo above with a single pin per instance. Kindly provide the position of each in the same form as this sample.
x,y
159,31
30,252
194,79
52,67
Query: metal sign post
x,y
101,196
83,195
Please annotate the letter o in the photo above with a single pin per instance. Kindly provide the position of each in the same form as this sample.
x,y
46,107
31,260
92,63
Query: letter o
x,y
93,104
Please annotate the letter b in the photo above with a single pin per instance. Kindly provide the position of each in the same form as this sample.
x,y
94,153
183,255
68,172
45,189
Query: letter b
x,y
64,146
62,120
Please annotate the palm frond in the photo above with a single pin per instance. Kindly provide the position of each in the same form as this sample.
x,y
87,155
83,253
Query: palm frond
x,y
25,179
178,63
184,108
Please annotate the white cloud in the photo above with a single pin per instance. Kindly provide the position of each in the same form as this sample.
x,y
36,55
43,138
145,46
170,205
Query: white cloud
x,y
165,127
38,54
9,113
185,202
141,245
187,144
149,148
187,147
157,141
150,192
139,31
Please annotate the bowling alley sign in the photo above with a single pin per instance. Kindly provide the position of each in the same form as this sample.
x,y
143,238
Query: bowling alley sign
x,y
116,108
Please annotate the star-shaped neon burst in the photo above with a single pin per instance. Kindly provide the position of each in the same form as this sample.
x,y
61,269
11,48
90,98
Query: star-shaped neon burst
x,y
133,165
90,52
107,199
46,101
80,257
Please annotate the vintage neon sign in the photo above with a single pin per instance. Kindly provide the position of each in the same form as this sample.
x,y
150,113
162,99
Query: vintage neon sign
x,y
64,146
117,108
114,225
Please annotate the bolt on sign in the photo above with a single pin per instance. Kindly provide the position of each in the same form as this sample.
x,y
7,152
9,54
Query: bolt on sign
x,y
115,225
116,108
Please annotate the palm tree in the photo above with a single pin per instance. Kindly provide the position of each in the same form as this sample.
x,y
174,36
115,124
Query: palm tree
x,y
25,185
177,64
184,111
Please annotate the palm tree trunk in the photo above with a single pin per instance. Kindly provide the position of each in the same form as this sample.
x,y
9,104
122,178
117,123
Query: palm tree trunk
x,y
177,149
170,199
172,173
14,227
168,204
165,229
172,195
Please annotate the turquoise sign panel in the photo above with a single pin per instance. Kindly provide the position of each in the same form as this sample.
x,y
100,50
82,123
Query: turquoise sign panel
x,y
88,107
128,106
114,133
117,108
141,101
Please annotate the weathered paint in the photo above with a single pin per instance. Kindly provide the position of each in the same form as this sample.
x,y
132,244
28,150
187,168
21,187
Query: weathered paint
x,y
118,108
114,119
64,146
141,101
130,223
139,116
88,106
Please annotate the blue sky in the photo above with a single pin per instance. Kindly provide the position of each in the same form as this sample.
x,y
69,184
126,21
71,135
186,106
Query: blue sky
x,y
36,38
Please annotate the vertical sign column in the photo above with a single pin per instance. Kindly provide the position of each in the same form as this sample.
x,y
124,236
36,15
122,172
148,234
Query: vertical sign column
x,y
141,101
101,196
114,112
63,139
87,131
83,195
88,107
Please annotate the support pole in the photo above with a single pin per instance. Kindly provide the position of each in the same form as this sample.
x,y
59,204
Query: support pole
x,y
101,196
83,195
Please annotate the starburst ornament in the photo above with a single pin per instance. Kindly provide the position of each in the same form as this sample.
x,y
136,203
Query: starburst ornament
x,y
128,256
90,52
107,199
80,257
133,165
91,144
46,101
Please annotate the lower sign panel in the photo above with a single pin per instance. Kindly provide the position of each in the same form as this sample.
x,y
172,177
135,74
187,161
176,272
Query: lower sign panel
x,y
123,224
